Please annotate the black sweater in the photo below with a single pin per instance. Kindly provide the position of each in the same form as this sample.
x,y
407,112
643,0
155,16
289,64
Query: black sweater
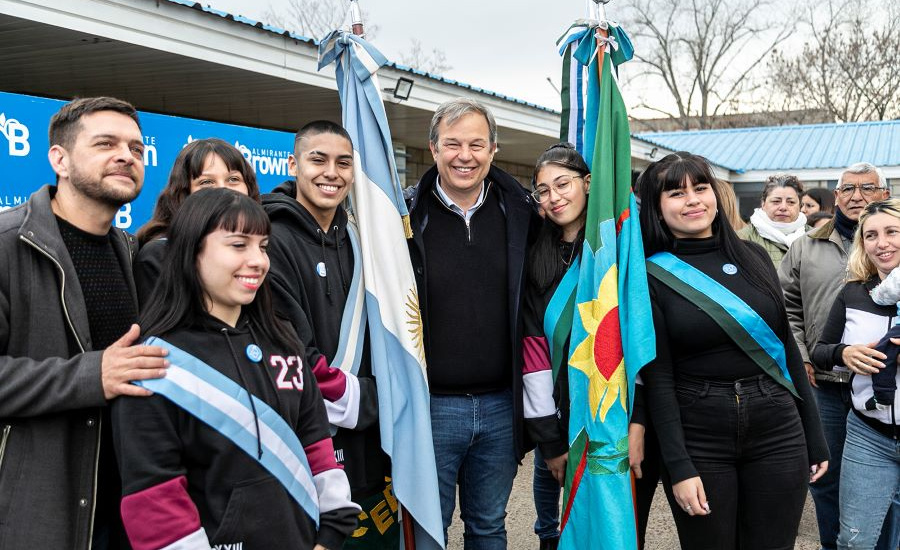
x,y
468,350
179,474
521,226
690,343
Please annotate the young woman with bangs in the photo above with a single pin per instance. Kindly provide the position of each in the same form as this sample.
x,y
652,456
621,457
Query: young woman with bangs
x,y
232,448
738,429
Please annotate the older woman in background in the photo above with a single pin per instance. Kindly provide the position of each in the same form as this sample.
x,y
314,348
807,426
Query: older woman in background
x,y
778,221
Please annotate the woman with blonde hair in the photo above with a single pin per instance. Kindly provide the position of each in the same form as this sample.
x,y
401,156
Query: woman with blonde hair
x,y
870,467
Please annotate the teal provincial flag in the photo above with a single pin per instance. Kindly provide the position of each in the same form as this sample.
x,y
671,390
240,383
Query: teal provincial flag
x,y
607,309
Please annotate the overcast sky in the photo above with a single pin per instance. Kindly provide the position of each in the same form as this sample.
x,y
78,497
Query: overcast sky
x,y
506,46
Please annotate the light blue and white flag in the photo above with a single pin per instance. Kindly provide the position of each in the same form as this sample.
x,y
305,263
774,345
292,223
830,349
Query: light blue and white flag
x,y
392,301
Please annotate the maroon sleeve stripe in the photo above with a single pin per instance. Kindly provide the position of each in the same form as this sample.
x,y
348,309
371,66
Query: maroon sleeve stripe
x,y
332,382
321,456
536,354
160,515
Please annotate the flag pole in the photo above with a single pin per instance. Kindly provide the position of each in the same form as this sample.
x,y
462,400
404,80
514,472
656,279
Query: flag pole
x,y
356,18
598,13
409,534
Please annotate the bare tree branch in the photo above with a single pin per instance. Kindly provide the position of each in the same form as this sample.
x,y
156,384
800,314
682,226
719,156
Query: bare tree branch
x,y
434,62
706,52
316,18
850,66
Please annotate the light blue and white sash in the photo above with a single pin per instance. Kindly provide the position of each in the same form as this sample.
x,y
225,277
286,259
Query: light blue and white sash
x,y
353,322
224,406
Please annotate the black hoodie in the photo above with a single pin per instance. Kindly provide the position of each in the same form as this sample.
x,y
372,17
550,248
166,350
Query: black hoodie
x,y
183,481
311,271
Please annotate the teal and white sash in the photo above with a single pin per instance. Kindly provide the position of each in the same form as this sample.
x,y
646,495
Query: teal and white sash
x,y
224,406
739,321
559,314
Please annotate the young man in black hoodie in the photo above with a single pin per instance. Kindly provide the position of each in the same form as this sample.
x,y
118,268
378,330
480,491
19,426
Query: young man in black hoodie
x,y
312,268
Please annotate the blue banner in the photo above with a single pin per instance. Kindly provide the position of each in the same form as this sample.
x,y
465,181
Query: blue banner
x,y
24,168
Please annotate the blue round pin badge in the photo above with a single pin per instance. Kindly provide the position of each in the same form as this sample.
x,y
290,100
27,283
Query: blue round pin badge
x,y
254,353
320,269
729,269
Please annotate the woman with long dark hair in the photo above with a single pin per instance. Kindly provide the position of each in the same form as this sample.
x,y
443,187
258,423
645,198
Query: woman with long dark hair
x,y
201,164
561,184
817,199
233,446
738,429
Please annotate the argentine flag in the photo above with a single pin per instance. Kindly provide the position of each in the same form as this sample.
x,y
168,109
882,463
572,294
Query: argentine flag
x,y
392,301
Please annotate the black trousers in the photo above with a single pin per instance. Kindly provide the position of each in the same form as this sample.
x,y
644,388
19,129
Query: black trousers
x,y
746,441
645,487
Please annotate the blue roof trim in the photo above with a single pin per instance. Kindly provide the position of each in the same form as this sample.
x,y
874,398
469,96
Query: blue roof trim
x,y
276,30
807,147
244,20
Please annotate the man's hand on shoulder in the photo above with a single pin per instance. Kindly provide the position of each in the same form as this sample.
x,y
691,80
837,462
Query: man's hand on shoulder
x,y
124,362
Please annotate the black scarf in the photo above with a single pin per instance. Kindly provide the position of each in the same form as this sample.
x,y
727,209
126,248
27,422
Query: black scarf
x,y
844,225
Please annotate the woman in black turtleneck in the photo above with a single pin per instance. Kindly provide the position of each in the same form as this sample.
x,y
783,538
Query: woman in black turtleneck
x,y
736,442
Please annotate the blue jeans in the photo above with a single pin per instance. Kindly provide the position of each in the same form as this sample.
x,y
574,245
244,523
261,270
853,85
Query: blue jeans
x,y
870,486
546,499
474,446
833,401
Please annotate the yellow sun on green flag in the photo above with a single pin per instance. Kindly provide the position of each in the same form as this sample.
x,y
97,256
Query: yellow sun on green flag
x,y
599,356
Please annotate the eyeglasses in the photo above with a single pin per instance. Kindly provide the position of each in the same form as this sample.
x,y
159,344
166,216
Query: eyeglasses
x,y
561,186
865,189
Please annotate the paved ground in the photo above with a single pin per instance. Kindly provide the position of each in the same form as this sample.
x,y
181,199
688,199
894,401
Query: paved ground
x,y
661,533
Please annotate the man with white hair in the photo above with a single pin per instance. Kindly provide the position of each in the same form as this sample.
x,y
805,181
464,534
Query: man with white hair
x,y
812,273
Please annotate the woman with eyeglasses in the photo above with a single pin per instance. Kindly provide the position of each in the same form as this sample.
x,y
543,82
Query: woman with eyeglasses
x,y
738,429
561,184
778,221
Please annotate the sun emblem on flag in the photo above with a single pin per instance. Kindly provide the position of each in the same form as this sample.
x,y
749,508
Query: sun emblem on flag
x,y
599,356
414,320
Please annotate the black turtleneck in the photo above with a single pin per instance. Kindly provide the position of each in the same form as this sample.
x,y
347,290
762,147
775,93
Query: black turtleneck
x,y
844,225
690,343
687,338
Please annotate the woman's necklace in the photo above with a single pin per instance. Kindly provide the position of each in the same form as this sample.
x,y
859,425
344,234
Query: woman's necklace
x,y
571,247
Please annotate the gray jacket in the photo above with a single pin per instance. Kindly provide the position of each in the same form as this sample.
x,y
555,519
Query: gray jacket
x,y
812,274
49,399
